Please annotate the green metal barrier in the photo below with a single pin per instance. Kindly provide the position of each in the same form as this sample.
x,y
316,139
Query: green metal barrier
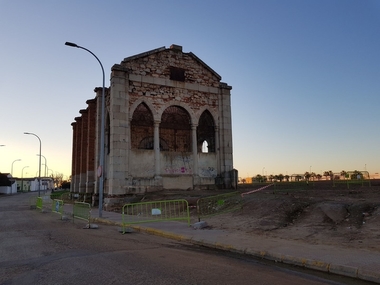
x,y
84,197
293,186
82,211
223,203
39,203
33,202
155,211
55,196
71,197
352,182
66,197
57,207
43,202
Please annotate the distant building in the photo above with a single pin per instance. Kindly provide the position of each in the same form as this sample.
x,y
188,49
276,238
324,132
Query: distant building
x,y
12,185
7,184
31,184
168,126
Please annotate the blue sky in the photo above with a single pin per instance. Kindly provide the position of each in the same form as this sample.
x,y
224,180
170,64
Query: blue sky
x,y
305,75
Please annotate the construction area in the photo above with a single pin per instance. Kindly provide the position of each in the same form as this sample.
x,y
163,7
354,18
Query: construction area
x,y
314,213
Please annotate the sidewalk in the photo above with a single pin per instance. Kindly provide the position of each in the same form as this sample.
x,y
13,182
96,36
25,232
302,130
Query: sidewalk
x,y
354,263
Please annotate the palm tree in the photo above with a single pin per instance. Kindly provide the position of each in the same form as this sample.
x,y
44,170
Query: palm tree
x,y
307,176
287,177
344,174
258,178
327,173
319,176
357,175
280,177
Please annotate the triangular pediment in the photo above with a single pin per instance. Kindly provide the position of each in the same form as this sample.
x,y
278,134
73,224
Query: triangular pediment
x,y
163,58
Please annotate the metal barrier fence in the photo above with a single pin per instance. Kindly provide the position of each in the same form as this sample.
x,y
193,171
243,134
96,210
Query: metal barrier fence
x,y
155,211
84,197
33,202
43,202
215,205
293,185
66,197
352,182
55,196
57,207
70,197
39,203
82,211
47,202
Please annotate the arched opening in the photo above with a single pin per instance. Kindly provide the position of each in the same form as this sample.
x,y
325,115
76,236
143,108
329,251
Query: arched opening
x,y
142,128
175,129
205,147
206,133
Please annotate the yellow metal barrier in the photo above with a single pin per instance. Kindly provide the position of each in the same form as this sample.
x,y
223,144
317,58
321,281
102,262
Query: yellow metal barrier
x,y
57,207
155,211
223,203
82,211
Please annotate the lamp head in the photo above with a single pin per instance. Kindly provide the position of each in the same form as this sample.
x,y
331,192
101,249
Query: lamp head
x,y
71,44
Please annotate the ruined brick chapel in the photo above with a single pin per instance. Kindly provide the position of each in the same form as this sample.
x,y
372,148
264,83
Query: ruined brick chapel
x,y
167,126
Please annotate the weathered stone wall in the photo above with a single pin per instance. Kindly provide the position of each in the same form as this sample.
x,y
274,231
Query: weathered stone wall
x,y
142,165
142,156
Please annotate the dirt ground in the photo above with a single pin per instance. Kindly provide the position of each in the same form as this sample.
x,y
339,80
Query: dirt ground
x,y
317,213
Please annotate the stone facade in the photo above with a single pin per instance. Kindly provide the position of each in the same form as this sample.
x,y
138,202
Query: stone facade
x,y
168,126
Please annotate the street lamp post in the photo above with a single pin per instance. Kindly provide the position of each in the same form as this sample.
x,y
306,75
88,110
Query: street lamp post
x,y
12,165
101,154
22,180
39,163
45,162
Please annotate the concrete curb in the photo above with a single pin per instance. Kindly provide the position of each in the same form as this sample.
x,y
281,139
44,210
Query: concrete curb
x,y
343,270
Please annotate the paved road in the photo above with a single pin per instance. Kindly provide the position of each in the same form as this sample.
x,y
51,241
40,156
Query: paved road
x,y
39,248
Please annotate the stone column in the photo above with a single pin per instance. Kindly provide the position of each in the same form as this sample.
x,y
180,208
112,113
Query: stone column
x,y
73,157
91,137
98,116
157,164
77,153
217,151
83,152
118,136
194,149
225,133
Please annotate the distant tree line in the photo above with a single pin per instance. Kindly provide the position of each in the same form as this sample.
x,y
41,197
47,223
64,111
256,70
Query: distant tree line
x,y
307,176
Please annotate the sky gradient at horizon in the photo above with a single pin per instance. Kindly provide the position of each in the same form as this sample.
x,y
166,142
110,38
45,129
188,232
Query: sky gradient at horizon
x,y
304,75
